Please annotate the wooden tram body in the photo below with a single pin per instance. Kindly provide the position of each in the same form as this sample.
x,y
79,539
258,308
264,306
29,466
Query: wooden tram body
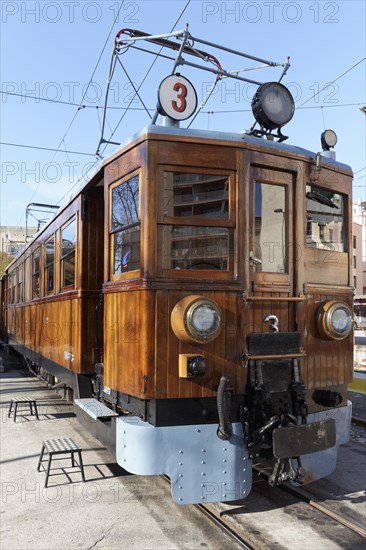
x,y
220,217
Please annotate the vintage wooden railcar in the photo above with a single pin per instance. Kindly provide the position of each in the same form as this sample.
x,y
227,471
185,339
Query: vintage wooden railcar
x,y
154,292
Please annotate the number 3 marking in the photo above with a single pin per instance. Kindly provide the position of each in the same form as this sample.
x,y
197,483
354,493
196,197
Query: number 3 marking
x,y
179,87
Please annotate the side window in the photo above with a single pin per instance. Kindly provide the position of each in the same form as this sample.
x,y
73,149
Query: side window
x,y
68,254
36,273
20,284
49,269
13,287
325,223
270,228
125,227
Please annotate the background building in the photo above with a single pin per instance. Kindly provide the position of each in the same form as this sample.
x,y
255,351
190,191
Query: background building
x,y
12,241
359,218
357,259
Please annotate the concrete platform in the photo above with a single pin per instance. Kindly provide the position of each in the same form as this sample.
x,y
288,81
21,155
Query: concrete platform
x,y
111,510
116,510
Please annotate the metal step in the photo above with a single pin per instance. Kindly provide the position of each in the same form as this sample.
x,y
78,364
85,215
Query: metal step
x,y
95,409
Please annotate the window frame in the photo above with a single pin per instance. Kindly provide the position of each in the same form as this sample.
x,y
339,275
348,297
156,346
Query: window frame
x,y
134,273
229,222
65,288
46,267
20,284
36,274
286,221
13,287
345,229
276,176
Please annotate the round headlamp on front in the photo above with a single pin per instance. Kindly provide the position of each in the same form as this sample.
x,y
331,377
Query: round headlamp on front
x,y
273,105
334,320
196,319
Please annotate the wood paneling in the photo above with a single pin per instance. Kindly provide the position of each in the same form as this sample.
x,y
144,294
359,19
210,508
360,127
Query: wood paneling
x,y
188,154
142,361
129,342
140,350
327,362
62,326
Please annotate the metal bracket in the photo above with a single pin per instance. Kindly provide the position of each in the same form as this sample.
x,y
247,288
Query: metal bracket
x,y
247,298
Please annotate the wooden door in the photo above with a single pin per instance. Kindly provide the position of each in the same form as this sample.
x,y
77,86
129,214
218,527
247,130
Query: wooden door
x,y
271,247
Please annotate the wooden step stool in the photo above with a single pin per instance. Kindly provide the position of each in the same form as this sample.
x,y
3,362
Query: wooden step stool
x,y
30,401
58,447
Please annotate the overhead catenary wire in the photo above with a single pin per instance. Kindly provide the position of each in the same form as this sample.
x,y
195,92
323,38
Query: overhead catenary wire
x,y
335,80
133,86
360,170
82,106
77,182
84,94
93,73
97,160
46,148
223,111
70,103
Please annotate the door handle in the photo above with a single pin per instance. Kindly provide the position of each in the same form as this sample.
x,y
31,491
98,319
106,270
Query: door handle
x,y
254,260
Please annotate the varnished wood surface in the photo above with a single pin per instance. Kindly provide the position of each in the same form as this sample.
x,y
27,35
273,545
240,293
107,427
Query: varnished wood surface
x,y
328,362
140,350
61,326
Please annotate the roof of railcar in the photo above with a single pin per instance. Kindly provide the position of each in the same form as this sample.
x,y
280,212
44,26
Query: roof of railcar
x,y
237,138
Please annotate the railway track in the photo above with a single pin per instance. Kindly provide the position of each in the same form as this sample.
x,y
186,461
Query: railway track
x,y
359,421
213,516
305,496
241,531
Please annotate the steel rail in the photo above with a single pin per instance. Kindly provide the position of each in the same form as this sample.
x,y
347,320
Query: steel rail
x,y
359,421
219,522
306,497
223,526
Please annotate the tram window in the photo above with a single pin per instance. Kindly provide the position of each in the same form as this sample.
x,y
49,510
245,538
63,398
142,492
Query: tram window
x,y
196,195
270,228
125,227
325,227
49,270
196,247
20,285
68,254
13,283
36,273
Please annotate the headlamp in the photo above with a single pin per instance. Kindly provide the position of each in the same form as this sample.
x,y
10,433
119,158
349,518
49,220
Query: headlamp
x,y
273,105
334,320
196,319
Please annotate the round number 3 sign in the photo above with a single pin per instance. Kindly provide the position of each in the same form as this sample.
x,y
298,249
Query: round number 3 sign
x,y
177,97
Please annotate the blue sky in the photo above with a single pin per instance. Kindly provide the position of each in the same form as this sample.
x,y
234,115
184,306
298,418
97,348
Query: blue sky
x,y
50,49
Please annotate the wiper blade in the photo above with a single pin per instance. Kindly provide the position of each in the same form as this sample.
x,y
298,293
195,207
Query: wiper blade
x,y
317,197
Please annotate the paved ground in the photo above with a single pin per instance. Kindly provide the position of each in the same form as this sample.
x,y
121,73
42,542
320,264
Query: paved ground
x,y
112,510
